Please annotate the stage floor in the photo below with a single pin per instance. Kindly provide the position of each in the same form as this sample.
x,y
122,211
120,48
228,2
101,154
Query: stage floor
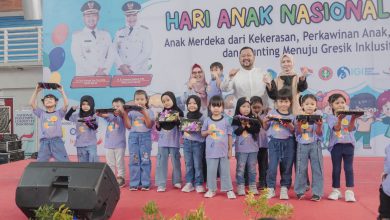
x,y
367,180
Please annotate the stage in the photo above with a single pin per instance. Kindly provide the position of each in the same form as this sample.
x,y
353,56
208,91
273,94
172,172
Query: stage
x,y
367,180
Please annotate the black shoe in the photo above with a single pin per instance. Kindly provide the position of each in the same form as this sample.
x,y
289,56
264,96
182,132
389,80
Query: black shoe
x,y
315,198
300,196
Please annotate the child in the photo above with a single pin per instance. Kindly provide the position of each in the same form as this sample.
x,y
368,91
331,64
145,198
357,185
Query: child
x,y
281,144
214,87
168,143
218,133
384,191
308,137
86,126
246,145
50,143
115,141
341,147
140,142
193,148
262,156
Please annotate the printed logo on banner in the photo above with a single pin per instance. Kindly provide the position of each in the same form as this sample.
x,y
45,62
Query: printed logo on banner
x,y
325,73
386,72
343,72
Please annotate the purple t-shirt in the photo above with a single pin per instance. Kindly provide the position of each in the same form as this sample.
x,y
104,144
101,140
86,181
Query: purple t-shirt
x,y
137,121
195,136
214,90
263,139
308,134
50,123
115,133
386,181
245,143
217,143
277,130
84,135
343,136
169,138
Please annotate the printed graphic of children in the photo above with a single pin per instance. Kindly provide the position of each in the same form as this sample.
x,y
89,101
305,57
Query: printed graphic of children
x,y
383,104
364,102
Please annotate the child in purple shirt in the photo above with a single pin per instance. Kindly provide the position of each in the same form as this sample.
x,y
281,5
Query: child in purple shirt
x,y
214,87
168,143
262,156
384,191
246,128
50,138
308,136
140,142
115,140
193,148
341,147
281,145
218,133
86,126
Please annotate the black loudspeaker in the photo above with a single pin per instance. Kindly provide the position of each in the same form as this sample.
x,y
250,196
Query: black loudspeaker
x,y
88,189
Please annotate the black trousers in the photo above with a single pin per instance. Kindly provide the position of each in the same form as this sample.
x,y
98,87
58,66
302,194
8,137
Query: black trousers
x,y
384,205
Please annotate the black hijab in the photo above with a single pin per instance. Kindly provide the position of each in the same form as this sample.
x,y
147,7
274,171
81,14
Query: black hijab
x,y
169,125
91,103
174,107
196,114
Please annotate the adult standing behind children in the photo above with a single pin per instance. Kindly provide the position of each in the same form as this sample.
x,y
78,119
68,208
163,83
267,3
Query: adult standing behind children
x,y
288,78
247,81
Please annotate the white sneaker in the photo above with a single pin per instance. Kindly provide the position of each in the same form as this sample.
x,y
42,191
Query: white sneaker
x,y
241,190
283,193
253,189
200,189
349,196
270,193
188,188
161,189
230,194
210,194
177,185
335,195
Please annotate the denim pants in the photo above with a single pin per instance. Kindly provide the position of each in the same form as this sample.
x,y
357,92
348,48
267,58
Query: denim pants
x,y
140,147
87,154
339,153
246,161
53,147
224,170
281,152
312,152
193,156
262,160
162,165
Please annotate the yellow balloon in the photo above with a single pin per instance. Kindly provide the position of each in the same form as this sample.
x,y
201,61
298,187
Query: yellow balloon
x,y
55,77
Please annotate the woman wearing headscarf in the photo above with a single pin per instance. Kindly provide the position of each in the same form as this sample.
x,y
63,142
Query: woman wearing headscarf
x,y
290,79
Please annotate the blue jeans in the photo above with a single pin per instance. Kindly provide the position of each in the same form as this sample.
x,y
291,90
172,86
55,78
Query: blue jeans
x,y
249,161
193,156
140,147
312,152
281,152
162,165
53,147
224,170
87,154
339,153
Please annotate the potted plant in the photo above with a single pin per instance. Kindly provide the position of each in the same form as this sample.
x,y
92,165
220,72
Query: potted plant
x,y
258,208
